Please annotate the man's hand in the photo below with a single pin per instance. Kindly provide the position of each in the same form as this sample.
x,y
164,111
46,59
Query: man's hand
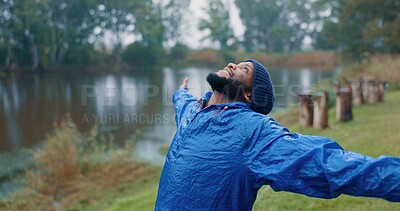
x,y
185,83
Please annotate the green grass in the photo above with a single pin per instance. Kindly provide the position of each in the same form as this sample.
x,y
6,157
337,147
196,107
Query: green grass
x,y
138,195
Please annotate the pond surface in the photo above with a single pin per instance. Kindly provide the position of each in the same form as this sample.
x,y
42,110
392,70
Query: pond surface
x,y
126,105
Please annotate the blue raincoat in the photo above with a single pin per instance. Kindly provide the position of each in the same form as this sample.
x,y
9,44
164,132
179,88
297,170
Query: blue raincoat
x,y
221,156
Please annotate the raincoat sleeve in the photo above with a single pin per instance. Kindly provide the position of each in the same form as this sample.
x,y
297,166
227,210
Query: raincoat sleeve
x,y
319,167
182,99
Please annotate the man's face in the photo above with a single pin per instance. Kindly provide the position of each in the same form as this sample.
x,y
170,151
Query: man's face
x,y
234,81
243,72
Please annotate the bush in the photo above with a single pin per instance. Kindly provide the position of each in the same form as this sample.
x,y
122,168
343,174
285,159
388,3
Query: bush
x,y
139,54
207,57
178,53
73,167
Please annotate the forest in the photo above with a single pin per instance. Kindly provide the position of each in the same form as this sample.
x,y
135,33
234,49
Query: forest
x,y
45,34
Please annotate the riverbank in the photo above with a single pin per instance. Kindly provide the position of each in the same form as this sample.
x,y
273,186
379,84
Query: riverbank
x,y
79,171
321,60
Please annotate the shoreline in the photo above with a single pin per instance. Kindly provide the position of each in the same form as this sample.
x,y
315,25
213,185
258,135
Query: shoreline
x,y
323,60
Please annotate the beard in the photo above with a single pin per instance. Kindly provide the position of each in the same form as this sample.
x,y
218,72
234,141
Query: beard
x,y
233,89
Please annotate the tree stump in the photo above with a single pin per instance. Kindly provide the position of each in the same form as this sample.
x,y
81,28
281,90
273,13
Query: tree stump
x,y
371,91
343,105
357,92
306,110
321,110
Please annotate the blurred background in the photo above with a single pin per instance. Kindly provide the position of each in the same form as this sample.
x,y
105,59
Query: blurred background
x,y
102,73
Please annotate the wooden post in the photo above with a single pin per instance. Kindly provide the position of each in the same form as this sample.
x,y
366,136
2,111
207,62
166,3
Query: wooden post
x,y
306,110
356,88
371,91
321,110
343,105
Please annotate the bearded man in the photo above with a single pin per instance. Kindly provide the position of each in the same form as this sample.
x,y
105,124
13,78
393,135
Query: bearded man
x,y
225,148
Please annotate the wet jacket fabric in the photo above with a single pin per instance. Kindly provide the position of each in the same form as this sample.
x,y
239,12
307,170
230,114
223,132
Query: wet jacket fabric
x,y
221,156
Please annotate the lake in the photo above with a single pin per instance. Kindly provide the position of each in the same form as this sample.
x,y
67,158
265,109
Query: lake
x,y
134,105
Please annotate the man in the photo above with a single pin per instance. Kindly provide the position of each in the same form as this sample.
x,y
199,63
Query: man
x,y
226,148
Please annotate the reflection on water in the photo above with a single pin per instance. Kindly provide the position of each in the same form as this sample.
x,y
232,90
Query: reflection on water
x,y
123,105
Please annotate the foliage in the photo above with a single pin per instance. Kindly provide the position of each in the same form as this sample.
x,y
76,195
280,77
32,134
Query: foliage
x,y
217,24
178,53
45,34
42,34
361,29
139,54
173,12
278,26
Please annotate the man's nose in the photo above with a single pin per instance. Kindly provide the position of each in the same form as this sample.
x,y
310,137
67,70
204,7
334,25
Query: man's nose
x,y
232,66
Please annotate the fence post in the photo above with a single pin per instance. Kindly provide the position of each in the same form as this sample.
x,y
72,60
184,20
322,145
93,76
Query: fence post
x,y
343,105
321,110
306,110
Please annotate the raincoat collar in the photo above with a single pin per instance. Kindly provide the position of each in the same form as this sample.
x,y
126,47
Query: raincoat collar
x,y
206,97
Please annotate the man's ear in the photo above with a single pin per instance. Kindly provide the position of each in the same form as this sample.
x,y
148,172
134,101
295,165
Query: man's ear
x,y
247,97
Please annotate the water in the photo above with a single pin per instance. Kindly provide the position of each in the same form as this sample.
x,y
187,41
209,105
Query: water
x,y
134,104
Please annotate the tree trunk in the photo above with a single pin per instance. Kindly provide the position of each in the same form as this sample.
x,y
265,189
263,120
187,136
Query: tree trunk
x,y
321,111
34,51
267,41
306,110
343,105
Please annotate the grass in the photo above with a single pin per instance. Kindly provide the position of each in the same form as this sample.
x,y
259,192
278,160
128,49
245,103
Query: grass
x,y
382,67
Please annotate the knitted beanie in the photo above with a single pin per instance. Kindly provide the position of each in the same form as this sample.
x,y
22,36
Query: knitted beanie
x,y
263,94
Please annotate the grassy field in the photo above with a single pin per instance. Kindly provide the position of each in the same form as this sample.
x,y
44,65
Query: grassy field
x,y
372,132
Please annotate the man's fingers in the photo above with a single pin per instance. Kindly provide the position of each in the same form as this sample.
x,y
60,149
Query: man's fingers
x,y
185,83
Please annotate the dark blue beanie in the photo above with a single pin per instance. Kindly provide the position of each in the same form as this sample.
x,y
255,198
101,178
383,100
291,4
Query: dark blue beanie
x,y
263,94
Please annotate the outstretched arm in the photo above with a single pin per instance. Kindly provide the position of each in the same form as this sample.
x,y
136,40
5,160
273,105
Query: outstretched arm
x,y
182,99
319,167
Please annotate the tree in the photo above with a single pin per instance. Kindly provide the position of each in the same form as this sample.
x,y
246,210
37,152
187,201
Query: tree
x,y
7,35
258,16
217,23
363,28
173,12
